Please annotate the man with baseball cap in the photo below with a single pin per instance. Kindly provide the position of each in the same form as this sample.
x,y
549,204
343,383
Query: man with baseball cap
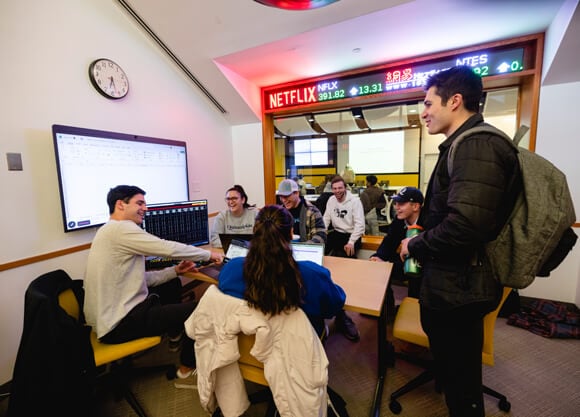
x,y
308,223
407,203
408,194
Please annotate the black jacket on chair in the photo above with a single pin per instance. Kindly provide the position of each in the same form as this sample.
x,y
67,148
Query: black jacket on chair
x,y
54,373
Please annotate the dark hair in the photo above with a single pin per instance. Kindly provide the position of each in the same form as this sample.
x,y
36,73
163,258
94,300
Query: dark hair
x,y
273,280
458,80
121,192
239,189
337,178
372,179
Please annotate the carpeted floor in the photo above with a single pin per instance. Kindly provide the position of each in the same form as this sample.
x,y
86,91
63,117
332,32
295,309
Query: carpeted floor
x,y
541,378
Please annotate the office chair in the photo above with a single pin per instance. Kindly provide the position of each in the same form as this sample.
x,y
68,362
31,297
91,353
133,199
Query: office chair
x,y
407,327
253,370
64,298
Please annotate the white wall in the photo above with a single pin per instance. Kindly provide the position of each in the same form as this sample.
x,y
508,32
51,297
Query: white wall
x,y
46,51
558,140
248,161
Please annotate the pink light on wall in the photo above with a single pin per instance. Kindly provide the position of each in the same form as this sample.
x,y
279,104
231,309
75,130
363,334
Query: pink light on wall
x,y
296,4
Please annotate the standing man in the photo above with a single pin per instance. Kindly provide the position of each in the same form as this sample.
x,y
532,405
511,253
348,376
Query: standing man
x,y
344,212
407,202
462,212
122,300
372,199
308,223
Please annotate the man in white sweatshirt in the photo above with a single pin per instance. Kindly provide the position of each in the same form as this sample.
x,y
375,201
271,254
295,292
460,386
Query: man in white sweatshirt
x,y
345,213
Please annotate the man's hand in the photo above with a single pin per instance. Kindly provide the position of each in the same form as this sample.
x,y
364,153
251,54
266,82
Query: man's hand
x,y
185,266
404,248
349,249
217,257
375,259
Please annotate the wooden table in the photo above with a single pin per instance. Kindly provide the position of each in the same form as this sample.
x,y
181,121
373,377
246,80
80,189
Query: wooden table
x,y
365,284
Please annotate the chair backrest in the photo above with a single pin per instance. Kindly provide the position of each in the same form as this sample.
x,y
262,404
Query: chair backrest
x,y
69,303
489,328
251,368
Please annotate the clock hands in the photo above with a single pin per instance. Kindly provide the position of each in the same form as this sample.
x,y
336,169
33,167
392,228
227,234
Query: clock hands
x,y
112,83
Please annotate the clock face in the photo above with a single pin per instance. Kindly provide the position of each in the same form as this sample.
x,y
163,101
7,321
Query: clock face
x,y
108,78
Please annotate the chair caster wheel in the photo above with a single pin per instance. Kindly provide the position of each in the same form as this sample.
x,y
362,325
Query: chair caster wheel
x,y
504,405
395,407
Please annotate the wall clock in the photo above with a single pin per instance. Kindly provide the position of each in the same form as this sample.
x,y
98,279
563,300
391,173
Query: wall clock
x,y
108,78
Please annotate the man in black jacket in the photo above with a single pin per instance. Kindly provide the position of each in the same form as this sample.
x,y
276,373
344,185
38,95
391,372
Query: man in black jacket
x,y
462,212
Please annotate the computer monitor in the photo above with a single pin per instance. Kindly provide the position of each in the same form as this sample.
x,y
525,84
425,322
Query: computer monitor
x,y
90,162
185,222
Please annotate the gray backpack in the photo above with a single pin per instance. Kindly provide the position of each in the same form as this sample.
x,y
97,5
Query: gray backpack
x,y
537,235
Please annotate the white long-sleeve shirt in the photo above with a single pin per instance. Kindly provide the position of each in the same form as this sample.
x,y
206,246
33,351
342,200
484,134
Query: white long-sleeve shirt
x,y
346,217
116,280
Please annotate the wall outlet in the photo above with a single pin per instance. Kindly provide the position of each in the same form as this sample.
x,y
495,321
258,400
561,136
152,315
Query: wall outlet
x,y
14,161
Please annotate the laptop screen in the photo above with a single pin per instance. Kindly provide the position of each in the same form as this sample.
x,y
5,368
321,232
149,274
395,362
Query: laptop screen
x,y
226,238
308,252
237,249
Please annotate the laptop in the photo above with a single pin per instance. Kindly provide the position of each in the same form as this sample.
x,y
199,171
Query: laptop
x,y
303,251
226,238
237,248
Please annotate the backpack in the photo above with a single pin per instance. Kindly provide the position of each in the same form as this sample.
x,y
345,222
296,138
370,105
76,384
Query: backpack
x,y
537,235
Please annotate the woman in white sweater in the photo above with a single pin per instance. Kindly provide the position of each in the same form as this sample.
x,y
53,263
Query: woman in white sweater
x,y
237,219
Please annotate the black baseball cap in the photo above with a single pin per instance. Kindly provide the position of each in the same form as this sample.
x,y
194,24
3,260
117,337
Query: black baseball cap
x,y
408,194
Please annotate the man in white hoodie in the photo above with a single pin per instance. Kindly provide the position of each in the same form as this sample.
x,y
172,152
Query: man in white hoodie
x,y
345,213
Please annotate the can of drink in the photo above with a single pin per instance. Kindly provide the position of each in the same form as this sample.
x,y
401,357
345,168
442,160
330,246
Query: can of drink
x,y
411,267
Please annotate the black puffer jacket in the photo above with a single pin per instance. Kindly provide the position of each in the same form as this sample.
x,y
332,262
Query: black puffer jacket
x,y
460,214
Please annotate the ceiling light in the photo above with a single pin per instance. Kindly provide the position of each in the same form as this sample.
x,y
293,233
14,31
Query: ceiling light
x,y
296,4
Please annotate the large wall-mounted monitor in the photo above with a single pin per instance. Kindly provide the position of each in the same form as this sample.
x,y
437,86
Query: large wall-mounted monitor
x,y
90,162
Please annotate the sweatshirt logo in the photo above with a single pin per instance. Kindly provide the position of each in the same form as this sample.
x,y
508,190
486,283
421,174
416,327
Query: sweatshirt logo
x,y
340,213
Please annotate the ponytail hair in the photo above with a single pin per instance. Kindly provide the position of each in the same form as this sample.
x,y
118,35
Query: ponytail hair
x,y
273,280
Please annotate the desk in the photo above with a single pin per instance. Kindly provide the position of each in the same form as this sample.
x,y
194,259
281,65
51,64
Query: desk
x,y
365,284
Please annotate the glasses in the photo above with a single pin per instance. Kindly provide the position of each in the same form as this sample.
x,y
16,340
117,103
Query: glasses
x,y
232,198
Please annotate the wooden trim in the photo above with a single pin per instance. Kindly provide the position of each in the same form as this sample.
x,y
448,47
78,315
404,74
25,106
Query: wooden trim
x,y
43,257
368,242
268,148
51,255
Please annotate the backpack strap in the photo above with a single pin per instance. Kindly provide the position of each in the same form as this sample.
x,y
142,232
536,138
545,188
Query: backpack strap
x,y
482,128
522,130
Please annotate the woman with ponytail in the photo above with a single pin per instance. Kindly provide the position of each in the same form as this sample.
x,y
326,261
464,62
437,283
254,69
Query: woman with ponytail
x,y
269,278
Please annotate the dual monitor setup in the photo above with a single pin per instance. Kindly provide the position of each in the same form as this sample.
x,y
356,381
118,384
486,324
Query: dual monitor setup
x,y
90,162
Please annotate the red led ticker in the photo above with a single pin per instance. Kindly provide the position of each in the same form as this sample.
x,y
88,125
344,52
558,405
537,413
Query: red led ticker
x,y
293,97
399,76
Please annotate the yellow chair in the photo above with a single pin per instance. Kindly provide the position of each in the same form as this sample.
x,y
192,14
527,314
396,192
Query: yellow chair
x,y
112,354
253,370
60,357
407,327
